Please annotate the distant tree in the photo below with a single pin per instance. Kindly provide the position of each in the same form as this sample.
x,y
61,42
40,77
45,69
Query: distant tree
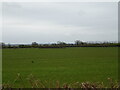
x,y
9,46
78,42
34,44
3,44
21,46
61,43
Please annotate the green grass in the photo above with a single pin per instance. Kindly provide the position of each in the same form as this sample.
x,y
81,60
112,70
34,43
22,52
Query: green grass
x,y
67,65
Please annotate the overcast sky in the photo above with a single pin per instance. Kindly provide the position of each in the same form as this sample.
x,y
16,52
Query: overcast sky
x,y
50,22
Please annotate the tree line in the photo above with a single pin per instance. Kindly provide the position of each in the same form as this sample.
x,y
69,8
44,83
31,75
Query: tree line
x,y
60,44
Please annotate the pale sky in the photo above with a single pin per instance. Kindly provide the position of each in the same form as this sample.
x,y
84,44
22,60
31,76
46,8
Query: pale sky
x,y
50,22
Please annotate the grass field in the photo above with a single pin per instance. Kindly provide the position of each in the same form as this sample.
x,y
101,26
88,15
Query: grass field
x,y
67,65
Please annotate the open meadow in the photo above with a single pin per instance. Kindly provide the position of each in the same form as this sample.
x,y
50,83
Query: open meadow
x,y
66,65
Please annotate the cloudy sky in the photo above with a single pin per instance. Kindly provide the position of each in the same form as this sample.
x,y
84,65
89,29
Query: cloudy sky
x,y
48,22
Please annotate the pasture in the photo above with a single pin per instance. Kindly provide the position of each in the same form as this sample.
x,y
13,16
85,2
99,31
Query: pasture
x,y
67,65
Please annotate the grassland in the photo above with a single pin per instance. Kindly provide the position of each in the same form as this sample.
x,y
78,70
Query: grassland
x,y
67,65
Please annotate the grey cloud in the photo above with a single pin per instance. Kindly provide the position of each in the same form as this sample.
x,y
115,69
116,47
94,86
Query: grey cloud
x,y
98,19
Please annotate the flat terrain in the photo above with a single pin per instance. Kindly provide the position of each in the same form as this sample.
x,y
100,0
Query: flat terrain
x,y
94,64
